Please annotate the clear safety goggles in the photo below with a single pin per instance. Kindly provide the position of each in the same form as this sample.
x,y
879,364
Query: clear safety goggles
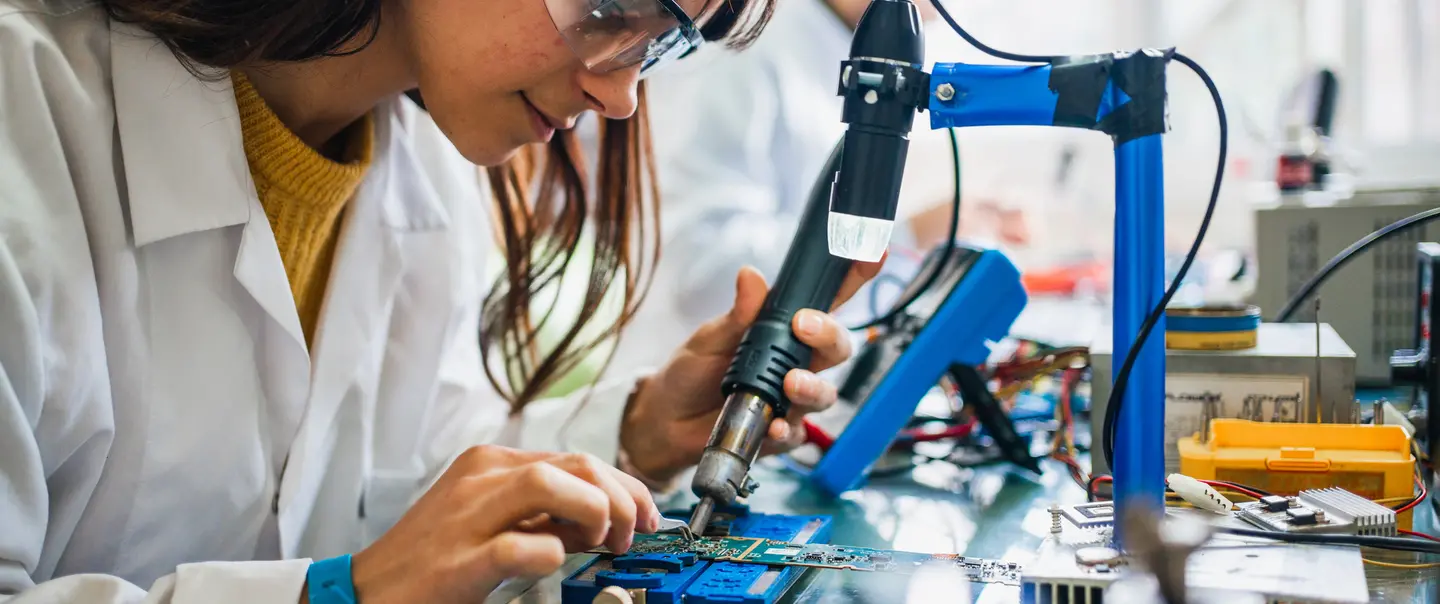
x,y
617,34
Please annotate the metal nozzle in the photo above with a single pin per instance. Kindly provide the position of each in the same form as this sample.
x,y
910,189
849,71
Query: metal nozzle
x,y
701,517
725,465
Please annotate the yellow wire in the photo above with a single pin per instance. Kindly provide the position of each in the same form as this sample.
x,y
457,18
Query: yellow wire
x,y
1063,361
1401,566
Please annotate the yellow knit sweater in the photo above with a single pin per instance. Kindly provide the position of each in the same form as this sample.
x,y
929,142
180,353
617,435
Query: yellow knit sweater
x,y
303,193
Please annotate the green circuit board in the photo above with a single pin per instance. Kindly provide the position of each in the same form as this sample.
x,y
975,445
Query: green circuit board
x,y
819,555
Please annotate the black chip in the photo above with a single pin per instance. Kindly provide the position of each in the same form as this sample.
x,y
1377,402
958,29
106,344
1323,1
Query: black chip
x,y
1300,517
1275,503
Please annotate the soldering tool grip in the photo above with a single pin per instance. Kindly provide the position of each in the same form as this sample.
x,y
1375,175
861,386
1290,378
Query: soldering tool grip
x,y
810,277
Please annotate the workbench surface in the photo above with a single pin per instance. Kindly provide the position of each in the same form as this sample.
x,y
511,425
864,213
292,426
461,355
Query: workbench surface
x,y
984,512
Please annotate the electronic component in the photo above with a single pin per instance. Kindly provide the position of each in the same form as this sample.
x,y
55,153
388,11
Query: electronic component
x,y
1275,503
1074,569
1272,382
1199,494
769,552
1297,517
672,577
1099,514
1368,517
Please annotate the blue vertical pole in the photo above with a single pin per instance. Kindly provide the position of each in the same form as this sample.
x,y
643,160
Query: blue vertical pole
x,y
1139,463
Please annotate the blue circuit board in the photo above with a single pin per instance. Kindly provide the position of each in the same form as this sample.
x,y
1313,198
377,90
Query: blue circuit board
x,y
676,576
770,552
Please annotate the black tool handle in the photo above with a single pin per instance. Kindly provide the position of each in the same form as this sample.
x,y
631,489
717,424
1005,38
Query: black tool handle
x,y
809,278
992,416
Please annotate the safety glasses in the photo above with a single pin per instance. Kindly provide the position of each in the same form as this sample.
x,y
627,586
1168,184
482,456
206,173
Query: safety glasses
x,y
616,34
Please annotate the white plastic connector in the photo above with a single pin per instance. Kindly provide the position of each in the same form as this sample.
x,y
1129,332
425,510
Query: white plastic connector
x,y
859,237
1199,494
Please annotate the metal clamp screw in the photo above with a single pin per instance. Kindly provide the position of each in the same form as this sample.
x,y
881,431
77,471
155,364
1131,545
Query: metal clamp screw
x,y
945,91
1055,527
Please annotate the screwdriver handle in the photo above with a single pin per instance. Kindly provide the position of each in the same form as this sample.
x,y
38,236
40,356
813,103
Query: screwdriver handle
x,y
810,277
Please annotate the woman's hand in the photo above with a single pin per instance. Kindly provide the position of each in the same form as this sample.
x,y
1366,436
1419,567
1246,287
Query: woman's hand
x,y
499,513
674,411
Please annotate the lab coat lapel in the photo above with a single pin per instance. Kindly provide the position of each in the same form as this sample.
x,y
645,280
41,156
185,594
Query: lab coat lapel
x,y
349,340
186,174
185,168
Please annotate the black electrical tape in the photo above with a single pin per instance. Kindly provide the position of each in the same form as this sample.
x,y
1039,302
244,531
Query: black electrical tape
x,y
1079,84
1141,76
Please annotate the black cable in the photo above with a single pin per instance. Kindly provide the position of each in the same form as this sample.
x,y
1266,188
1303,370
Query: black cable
x,y
1243,487
1348,254
934,274
999,54
1403,544
1117,393
882,279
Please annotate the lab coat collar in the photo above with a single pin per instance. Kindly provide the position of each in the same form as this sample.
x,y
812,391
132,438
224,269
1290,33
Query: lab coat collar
x,y
180,139
184,162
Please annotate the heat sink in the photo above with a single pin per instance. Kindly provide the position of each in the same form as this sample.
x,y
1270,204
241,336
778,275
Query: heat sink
x,y
1368,517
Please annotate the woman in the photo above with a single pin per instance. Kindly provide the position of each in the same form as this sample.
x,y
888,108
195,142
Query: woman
x,y
241,287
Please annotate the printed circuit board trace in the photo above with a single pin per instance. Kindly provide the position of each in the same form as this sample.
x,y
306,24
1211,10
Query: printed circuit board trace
x,y
815,555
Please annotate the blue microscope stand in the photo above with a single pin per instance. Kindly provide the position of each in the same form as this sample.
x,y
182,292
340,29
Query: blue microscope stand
x,y
1123,95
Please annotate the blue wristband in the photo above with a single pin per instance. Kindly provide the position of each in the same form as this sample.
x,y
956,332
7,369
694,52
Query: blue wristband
x,y
329,581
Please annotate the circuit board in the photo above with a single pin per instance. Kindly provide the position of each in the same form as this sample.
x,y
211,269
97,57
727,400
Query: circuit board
x,y
817,555
1291,515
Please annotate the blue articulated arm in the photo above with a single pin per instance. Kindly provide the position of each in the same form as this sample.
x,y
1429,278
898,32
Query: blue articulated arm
x,y
1123,95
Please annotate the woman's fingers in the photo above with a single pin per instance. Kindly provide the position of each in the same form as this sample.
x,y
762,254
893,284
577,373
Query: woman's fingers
x,y
631,506
519,495
826,337
808,394
515,554
575,538
860,273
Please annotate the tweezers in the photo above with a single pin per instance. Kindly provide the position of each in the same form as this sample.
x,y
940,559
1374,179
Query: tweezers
x,y
671,525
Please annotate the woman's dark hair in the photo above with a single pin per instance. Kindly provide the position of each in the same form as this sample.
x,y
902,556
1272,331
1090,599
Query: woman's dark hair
x,y
540,227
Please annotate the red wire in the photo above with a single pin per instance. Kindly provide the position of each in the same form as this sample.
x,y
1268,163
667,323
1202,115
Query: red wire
x,y
1418,498
922,436
1420,535
818,437
1232,486
1096,480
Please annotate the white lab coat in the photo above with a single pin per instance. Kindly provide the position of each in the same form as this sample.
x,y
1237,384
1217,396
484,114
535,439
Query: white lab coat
x,y
162,425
